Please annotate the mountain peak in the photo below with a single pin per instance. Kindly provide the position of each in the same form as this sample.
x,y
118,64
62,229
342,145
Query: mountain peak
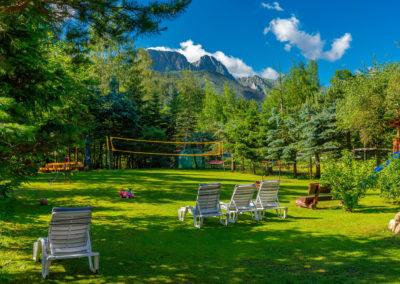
x,y
210,63
165,61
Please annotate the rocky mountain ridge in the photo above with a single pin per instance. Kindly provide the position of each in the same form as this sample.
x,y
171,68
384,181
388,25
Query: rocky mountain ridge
x,y
248,87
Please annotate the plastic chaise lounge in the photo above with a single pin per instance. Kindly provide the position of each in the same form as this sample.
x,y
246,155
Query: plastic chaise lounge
x,y
207,205
241,202
68,237
267,198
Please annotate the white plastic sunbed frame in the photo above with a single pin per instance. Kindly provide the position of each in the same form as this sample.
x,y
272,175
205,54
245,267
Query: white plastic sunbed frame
x,y
68,237
267,198
207,205
241,202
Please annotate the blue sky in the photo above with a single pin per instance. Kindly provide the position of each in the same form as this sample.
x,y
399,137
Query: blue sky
x,y
258,37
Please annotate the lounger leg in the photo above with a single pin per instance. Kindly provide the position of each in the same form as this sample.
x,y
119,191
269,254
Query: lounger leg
x,y
182,213
198,223
227,220
43,243
262,214
254,215
280,211
96,263
231,217
285,213
35,251
45,267
91,265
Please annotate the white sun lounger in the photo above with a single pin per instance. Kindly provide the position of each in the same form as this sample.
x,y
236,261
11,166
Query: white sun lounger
x,y
267,198
241,202
68,237
207,205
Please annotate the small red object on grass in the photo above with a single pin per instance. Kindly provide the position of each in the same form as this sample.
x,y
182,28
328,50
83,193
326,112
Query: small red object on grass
x,y
126,194
44,201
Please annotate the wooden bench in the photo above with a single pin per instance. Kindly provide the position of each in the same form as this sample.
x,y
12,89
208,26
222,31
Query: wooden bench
x,y
312,200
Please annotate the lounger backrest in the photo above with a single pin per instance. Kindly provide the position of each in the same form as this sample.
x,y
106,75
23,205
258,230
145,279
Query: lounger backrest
x,y
242,195
69,229
208,198
268,192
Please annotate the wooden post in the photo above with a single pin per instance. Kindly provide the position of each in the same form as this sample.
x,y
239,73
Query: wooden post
x,y
396,145
396,141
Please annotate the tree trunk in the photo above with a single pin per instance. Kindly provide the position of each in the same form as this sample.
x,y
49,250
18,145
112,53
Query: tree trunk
x,y
111,162
243,165
195,161
94,162
348,140
254,167
310,167
295,169
101,155
232,163
365,151
317,166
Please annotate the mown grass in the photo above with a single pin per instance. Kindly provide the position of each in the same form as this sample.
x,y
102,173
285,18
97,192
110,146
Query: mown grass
x,y
141,240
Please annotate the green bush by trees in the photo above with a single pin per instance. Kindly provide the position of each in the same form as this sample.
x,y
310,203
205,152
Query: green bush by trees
x,y
348,179
388,181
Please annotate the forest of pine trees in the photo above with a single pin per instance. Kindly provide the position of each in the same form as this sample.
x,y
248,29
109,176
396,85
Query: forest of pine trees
x,y
63,77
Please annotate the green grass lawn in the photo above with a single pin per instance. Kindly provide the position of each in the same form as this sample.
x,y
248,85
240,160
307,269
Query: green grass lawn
x,y
142,240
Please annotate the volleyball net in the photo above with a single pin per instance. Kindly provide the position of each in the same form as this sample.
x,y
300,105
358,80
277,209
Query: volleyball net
x,y
164,148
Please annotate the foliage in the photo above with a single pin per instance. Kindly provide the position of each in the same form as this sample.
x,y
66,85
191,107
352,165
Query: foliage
x,y
28,90
388,180
319,133
190,98
368,101
348,179
126,18
50,78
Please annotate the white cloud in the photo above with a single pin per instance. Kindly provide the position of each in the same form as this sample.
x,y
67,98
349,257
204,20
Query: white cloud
x,y
236,66
192,52
274,6
310,45
338,47
161,48
269,73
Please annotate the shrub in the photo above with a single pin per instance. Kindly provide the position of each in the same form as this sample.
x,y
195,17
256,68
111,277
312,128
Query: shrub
x,y
388,180
348,179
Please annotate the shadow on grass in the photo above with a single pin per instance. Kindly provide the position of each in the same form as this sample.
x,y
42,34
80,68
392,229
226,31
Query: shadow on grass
x,y
166,251
151,247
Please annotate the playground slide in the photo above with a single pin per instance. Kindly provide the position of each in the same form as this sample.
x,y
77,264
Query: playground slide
x,y
381,167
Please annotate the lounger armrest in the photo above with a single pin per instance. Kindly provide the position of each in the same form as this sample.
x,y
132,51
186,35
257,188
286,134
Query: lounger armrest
x,y
43,243
224,205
